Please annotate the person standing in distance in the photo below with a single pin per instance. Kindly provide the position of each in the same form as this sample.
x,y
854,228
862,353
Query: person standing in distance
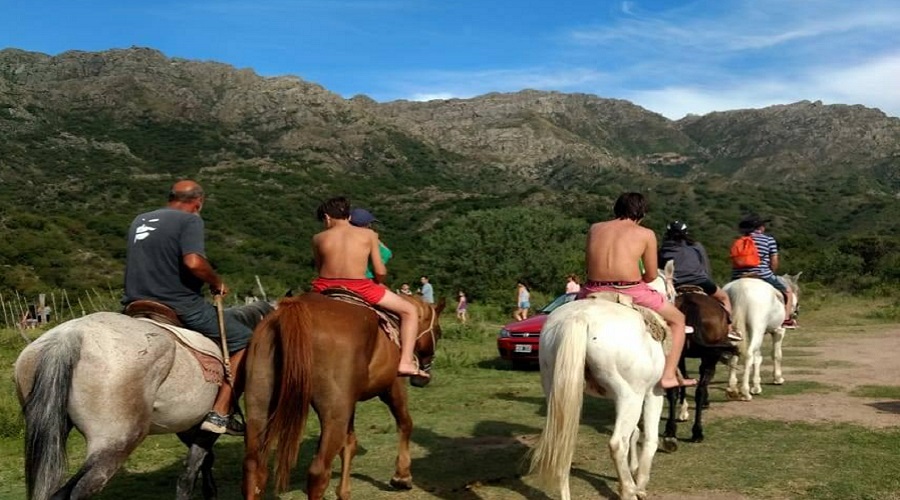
x,y
427,291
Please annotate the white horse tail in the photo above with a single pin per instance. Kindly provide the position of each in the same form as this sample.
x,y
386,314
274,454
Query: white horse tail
x,y
739,319
46,416
552,454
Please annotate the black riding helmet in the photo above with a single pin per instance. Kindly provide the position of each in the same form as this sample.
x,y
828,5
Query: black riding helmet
x,y
676,227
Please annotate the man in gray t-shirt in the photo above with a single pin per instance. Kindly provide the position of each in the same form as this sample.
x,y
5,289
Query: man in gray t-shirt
x,y
167,263
427,291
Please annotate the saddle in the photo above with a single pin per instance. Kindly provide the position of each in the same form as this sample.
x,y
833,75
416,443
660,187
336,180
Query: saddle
x,y
781,296
204,350
151,309
657,326
388,322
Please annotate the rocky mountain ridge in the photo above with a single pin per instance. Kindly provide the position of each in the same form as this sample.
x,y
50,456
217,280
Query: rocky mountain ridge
x,y
529,133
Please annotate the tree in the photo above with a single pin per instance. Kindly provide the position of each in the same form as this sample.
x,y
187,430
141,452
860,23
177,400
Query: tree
x,y
485,252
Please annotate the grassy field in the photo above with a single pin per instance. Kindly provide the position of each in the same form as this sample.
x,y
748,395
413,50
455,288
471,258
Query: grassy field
x,y
474,422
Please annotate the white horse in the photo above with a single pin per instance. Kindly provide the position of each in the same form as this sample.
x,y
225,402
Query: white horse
x,y
116,379
603,348
757,309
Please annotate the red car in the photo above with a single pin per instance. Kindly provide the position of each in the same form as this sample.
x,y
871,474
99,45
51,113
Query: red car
x,y
518,341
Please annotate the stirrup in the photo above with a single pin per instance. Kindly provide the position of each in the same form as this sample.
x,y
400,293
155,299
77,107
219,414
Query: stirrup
x,y
222,424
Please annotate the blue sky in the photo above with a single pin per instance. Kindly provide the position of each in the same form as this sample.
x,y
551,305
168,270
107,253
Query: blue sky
x,y
672,57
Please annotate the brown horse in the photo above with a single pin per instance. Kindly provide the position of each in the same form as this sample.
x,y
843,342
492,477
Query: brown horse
x,y
331,354
710,343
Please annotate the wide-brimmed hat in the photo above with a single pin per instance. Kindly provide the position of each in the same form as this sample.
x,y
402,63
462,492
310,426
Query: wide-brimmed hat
x,y
361,217
752,221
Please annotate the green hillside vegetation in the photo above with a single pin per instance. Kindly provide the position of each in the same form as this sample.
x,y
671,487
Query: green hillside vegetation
x,y
456,202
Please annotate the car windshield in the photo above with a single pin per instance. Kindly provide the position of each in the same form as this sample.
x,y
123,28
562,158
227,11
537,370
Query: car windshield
x,y
562,299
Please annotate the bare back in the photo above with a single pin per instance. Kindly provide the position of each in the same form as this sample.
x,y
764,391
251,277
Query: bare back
x,y
343,251
614,248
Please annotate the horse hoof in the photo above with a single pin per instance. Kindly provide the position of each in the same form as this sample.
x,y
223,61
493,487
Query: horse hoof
x,y
401,483
669,445
746,397
732,395
697,439
756,390
779,381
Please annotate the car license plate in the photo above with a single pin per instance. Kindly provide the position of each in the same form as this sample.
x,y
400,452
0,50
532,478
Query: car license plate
x,y
523,347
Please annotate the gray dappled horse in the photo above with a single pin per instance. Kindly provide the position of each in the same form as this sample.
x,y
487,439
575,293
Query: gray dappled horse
x,y
116,379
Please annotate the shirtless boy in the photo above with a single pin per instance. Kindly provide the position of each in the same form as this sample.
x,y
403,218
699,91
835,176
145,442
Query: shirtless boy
x,y
614,249
342,253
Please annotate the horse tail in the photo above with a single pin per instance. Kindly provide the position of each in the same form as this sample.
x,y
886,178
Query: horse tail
x,y
552,454
46,416
293,355
739,319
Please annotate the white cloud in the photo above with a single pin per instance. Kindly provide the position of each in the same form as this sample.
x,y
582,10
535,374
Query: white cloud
x,y
871,83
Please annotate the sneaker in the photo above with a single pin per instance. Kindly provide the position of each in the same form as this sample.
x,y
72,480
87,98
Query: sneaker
x,y
215,423
789,323
735,336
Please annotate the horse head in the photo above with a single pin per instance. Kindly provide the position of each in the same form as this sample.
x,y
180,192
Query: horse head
x,y
665,282
429,332
792,282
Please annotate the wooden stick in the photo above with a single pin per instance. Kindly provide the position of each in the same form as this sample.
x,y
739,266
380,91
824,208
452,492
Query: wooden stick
x,y
261,289
3,305
83,313
53,300
91,301
71,311
220,310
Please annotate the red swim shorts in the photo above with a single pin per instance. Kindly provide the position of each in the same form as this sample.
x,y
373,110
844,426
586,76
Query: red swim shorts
x,y
641,292
370,291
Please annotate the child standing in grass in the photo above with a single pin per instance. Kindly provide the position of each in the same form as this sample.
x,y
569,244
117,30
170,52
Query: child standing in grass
x,y
462,307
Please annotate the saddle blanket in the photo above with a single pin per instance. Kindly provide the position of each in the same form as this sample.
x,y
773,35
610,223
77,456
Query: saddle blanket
x,y
387,321
207,352
657,326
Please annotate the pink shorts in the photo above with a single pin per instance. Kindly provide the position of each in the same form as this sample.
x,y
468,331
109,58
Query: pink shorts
x,y
370,291
641,292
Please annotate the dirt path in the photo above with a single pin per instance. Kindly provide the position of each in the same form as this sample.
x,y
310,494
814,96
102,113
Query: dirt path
x,y
844,364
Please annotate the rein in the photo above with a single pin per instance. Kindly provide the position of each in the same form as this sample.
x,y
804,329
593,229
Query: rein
x,y
430,329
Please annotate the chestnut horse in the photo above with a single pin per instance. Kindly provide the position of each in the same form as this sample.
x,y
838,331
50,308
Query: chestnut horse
x,y
710,344
331,354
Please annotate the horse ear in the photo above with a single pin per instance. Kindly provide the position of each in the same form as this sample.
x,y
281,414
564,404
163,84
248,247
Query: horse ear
x,y
797,276
669,270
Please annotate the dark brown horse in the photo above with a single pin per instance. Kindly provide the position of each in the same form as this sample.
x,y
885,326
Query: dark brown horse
x,y
319,351
710,343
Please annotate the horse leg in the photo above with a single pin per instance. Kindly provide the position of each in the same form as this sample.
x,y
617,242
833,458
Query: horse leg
x,y
335,420
347,454
199,461
670,439
628,412
757,366
396,400
701,395
732,390
653,403
777,339
104,457
260,383
683,414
